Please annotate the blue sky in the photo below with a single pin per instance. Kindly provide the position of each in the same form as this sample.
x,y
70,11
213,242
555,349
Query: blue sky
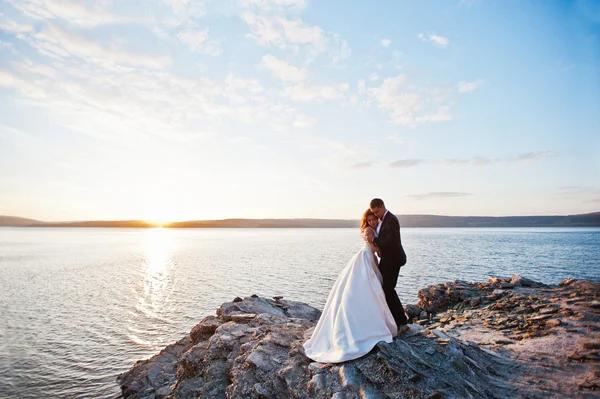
x,y
183,109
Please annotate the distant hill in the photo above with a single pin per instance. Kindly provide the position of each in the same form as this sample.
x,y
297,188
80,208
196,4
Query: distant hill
x,y
16,221
98,223
267,223
589,219
584,220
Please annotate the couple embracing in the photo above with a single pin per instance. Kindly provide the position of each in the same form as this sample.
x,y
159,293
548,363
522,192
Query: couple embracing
x,y
363,307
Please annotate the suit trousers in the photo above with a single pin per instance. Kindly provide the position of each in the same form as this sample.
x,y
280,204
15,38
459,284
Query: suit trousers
x,y
389,272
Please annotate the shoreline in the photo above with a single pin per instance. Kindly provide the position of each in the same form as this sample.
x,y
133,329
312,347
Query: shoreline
x,y
294,227
508,337
406,221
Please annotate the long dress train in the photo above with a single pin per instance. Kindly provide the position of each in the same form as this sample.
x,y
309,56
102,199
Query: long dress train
x,y
356,316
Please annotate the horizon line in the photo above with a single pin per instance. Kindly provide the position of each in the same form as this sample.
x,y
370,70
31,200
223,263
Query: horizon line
x,y
161,222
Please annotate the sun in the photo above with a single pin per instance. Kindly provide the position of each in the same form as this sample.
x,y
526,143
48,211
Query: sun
x,y
159,212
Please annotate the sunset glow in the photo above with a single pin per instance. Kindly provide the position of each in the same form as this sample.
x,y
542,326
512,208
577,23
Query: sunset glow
x,y
188,110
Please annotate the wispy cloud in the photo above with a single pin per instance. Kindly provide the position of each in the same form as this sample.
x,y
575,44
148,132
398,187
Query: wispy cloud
x,y
283,70
361,165
189,8
475,161
410,105
77,13
198,40
482,161
406,163
275,4
306,92
531,156
467,87
304,121
301,89
438,195
56,42
237,84
385,42
295,35
436,40
118,105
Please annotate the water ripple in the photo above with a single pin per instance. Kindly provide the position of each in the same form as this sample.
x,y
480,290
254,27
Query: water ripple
x,y
79,306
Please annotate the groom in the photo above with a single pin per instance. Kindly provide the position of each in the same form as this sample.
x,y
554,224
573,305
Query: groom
x,y
392,258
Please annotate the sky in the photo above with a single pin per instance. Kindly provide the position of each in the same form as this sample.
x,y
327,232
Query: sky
x,y
209,109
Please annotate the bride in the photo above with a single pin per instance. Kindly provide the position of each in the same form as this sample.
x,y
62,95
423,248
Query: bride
x,y
356,316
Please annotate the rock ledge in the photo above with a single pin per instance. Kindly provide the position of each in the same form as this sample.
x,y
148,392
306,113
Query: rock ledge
x,y
507,338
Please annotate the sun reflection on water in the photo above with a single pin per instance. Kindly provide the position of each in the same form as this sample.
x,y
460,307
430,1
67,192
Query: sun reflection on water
x,y
154,290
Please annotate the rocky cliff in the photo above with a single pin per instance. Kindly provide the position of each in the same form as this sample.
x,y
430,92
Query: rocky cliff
x,y
505,338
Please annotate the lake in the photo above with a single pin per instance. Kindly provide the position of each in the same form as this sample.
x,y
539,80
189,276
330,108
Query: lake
x,y
78,306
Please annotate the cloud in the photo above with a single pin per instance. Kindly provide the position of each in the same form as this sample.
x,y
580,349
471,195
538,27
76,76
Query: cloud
x,y
406,163
482,161
532,156
467,87
198,40
305,92
236,84
74,12
436,40
302,121
385,42
281,32
187,9
475,161
437,195
409,105
275,4
59,43
373,77
301,89
296,36
361,165
129,105
283,70
14,27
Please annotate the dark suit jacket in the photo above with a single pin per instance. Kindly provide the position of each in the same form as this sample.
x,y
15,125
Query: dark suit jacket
x,y
389,241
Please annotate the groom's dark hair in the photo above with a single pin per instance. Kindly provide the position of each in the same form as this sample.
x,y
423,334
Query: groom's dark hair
x,y
376,203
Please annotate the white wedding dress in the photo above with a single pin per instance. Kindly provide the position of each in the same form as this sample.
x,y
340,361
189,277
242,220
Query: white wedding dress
x,y
356,316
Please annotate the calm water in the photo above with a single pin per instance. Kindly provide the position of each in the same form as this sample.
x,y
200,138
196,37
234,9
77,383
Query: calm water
x,y
79,306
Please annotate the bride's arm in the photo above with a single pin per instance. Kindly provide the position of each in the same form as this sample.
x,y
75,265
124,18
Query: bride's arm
x,y
369,236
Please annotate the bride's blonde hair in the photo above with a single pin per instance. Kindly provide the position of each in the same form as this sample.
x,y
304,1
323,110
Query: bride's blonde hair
x,y
365,217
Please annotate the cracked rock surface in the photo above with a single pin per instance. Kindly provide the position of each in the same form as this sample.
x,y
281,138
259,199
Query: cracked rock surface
x,y
506,338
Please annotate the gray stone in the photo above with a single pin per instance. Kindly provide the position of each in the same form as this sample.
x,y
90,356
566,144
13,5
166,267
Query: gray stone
x,y
163,391
519,281
253,349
